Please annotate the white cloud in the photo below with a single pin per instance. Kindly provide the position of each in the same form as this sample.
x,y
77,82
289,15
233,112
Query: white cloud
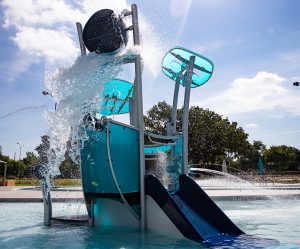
x,y
20,64
252,125
45,31
46,28
46,43
37,12
266,92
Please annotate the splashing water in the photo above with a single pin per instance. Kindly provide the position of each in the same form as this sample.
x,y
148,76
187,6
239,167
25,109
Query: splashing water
x,y
77,92
161,169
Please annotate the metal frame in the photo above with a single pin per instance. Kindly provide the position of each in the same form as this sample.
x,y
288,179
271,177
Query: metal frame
x,y
185,116
140,117
174,109
81,43
136,102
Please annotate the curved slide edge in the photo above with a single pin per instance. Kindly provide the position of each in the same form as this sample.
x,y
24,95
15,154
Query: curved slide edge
x,y
197,217
197,199
160,195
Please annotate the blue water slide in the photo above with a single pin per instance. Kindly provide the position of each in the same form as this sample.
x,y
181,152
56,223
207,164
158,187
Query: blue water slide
x,y
196,215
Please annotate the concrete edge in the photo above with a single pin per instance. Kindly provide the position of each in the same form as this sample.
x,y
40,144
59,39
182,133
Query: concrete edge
x,y
215,198
24,200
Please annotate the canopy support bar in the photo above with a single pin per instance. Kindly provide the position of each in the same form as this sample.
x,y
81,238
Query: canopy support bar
x,y
185,116
174,109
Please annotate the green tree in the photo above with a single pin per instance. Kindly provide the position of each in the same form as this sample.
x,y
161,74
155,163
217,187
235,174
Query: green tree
x,y
30,159
252,155
282,157
29,162
12,167
258,148
68,168
43,149
211,136
157,117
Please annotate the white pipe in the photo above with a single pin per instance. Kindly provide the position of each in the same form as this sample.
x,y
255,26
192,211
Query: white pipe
x,y
113,172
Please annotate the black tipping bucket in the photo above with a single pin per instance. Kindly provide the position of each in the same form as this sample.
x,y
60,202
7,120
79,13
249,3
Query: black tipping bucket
x,y
104,32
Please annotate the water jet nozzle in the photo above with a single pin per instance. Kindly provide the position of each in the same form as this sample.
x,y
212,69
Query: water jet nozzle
x,y
45,93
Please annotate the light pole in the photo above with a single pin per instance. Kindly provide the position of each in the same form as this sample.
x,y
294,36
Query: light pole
x,y
20,154
45,93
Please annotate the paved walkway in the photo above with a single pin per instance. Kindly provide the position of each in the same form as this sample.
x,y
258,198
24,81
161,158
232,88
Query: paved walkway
x,y
31,194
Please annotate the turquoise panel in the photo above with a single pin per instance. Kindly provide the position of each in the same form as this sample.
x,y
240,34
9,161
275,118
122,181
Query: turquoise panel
x,y
115,97
156,149
175,63
178,149
176,165
95,170
260,167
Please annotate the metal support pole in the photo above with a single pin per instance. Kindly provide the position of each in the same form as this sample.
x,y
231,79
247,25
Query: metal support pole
x,y
185,118
174,109
138,93
132,112
81,43
135,24
5,171
47,201
19,166
42,173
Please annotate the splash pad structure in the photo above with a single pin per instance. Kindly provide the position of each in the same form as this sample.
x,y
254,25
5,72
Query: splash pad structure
x,y
116,189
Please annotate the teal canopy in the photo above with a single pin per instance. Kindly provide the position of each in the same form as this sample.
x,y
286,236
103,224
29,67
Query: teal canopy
x,y
115,97
175,62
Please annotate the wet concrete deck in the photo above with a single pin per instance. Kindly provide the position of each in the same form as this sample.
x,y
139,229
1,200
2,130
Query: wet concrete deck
x,y
32,194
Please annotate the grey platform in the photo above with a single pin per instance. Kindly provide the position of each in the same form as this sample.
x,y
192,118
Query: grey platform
x,y
255,192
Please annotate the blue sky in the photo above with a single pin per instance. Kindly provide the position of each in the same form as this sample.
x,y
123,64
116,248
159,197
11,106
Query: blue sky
x,y
254,45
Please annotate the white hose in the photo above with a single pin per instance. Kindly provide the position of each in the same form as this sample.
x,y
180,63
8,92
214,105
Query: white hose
x,y
114,176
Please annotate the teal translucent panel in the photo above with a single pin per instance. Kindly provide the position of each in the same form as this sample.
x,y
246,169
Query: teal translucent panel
x,y
260,167
115,97
175,63
156,149
178,149
124,148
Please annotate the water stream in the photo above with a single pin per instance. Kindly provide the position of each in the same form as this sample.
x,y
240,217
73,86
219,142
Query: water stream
x,y
76,90
18,111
